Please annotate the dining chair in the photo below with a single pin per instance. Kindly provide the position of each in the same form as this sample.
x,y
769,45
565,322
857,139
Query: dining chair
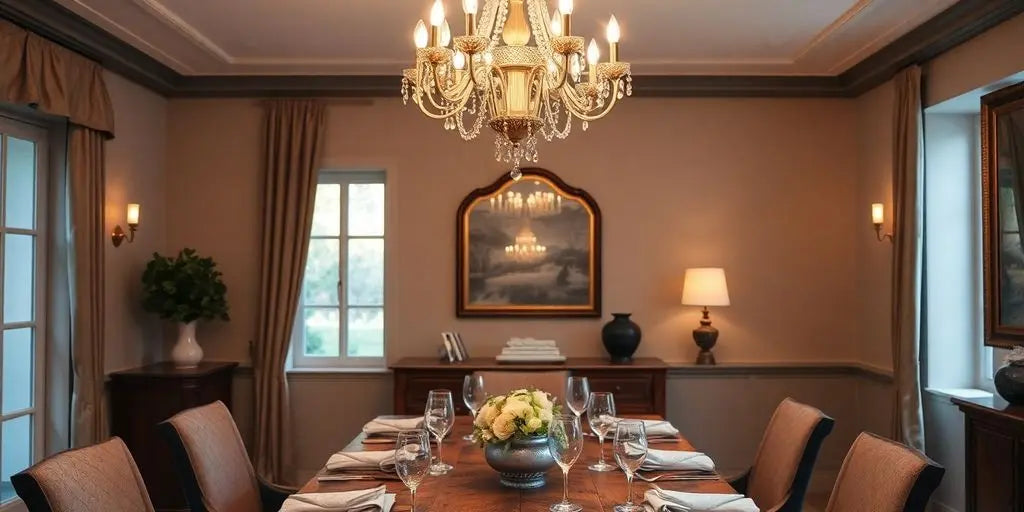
x,y
99,477
880,475
778,479
499,382
213,465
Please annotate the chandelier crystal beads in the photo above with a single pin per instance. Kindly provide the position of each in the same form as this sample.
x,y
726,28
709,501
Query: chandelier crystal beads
x,y
493,75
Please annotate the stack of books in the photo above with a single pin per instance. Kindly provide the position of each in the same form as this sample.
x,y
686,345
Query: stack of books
x,y
529,350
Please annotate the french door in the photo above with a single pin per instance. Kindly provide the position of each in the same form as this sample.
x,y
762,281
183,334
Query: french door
x,y
23,171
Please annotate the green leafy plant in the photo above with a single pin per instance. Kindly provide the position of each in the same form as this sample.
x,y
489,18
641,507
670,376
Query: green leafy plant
x,y
185,288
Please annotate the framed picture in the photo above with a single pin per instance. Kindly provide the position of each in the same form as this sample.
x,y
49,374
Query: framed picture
x,y
528,248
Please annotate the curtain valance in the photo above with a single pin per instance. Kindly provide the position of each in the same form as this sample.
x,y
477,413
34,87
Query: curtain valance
x,y
36,71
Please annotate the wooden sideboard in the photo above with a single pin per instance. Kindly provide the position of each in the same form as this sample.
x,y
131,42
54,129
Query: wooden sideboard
x,y
142,397
639,386
995,454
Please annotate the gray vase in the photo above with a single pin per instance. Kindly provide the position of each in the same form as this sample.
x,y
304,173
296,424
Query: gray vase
x,y
521,463
1009,381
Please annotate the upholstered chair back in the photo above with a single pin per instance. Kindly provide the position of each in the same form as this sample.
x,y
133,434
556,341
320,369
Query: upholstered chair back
x,y
212,463
782,467
99,477
498,383
880,475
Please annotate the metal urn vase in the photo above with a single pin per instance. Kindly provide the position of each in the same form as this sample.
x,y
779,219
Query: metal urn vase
x,y
1009,381
521,463
621,337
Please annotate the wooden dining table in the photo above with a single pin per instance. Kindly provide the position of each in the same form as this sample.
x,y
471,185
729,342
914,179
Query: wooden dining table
x,y
473,486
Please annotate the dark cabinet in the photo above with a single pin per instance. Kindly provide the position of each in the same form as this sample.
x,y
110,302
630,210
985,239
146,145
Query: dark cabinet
x,y
141,398
639,386
994,455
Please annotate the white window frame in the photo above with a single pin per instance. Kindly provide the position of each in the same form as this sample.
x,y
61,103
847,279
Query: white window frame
x,y
343,360
23,129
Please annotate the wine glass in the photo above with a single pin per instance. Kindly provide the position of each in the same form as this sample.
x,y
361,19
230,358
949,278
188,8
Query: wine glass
x,y
412,459
473,395
565,442
601,416
630,447
577,394
438,418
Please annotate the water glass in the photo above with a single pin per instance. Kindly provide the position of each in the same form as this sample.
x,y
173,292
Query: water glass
x,y
439,417
630,447
473,395
601,416
565,442
577,395
412,459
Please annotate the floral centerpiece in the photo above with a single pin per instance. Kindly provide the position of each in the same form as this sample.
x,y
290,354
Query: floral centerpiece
x,y
513,429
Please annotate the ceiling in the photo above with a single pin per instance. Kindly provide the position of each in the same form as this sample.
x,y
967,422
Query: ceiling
x,y
373,37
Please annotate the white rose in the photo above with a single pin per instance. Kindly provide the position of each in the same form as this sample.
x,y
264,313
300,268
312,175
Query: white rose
x,y
485,415
518,409
533,425
520,397
504,426
545,415
541,399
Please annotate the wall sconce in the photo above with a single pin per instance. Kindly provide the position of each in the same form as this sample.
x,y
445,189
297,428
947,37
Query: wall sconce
x,y
877,218
118,235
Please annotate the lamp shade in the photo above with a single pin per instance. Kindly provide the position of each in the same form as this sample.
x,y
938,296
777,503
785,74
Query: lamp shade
x,y
705,287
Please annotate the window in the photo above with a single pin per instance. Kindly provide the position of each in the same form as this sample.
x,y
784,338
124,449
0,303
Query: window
x,y
340,320
22,245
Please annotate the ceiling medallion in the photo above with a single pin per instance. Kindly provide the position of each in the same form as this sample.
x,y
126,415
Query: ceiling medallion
x,y
491,75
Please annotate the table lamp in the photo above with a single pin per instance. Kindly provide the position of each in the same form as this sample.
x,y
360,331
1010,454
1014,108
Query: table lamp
x,y
705,287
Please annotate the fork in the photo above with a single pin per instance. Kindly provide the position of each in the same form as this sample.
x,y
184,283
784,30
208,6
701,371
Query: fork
x,y
673,477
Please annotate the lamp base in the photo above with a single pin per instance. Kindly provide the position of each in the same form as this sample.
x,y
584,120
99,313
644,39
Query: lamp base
x,y
705,337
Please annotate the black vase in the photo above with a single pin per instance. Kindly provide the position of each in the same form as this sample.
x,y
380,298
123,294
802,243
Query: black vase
x,y
1009,381
621,337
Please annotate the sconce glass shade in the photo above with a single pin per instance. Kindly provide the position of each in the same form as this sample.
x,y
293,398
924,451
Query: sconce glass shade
x,y
705,287
877,213
133,214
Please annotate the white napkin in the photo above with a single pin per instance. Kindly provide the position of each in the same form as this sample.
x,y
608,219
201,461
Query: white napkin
x,y
366,500
654,428
667,460
660,500
383,460
381,425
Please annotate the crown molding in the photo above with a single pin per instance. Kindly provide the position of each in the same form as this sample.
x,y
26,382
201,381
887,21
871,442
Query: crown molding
x,y
962,21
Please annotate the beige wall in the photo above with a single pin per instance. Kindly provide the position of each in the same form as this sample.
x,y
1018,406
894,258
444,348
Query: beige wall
x,y
989,57
761,187
135,170
874,259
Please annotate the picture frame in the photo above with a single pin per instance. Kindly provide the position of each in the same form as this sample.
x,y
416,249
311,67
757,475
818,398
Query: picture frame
x,y
559,273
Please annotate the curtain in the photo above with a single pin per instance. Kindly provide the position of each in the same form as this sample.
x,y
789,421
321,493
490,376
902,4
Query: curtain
x,y
907,165
293,138
52,79
37,72
87,237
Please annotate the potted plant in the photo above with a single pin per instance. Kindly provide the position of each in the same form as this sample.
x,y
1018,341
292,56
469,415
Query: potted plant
x,y
186,289
513,429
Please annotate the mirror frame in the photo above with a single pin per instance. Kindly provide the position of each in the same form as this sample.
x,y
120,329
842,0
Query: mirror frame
x,y
462,307
993,104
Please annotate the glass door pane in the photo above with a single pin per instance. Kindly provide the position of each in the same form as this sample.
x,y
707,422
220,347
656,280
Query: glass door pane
x,y
20,185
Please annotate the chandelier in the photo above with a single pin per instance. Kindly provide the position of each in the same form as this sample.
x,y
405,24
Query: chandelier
x,y
526,249
534,204
491,75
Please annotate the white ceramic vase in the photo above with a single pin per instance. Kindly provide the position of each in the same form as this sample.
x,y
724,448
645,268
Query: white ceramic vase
x,y
187,353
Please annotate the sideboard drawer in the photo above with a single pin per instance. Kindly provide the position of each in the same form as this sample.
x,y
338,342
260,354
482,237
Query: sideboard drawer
x,y
633,392
418,386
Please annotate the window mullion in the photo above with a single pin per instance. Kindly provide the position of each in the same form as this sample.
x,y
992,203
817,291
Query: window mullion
x,y
343,273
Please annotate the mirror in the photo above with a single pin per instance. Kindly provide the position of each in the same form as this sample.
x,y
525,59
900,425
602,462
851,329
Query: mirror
x,y
528,248
1002,132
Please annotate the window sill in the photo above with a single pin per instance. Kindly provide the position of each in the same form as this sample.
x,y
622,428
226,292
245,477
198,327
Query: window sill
x,y
966,393
371,370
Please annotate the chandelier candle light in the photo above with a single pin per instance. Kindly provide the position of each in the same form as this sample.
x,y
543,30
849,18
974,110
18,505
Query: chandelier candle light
x,y
492,75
